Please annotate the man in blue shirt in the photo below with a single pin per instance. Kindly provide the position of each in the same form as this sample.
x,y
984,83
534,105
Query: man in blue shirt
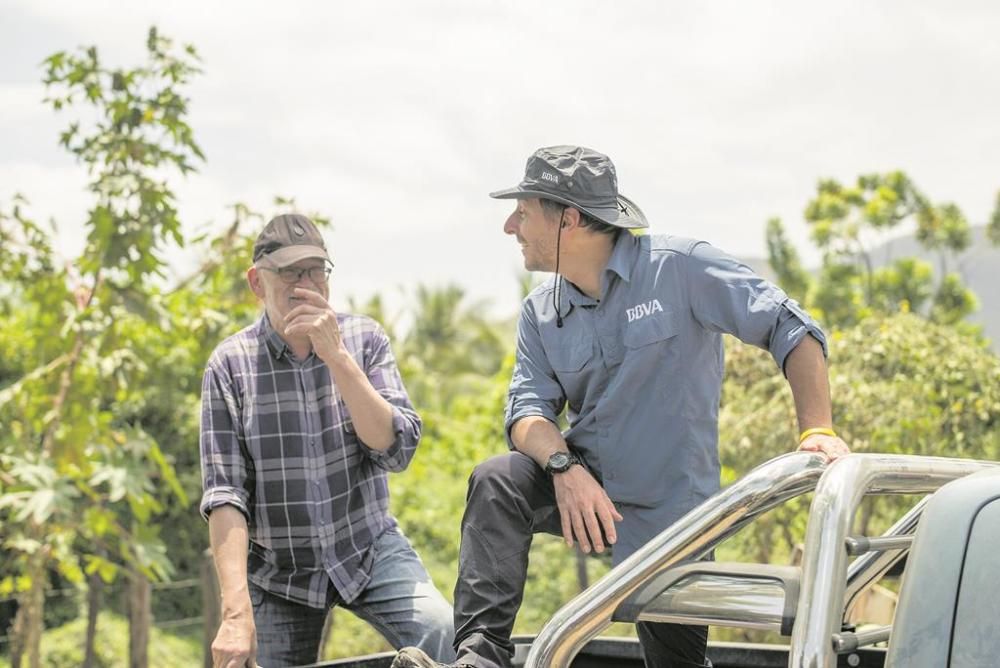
x,y
627,336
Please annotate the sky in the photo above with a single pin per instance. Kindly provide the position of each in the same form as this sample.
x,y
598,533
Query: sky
x,y
395,119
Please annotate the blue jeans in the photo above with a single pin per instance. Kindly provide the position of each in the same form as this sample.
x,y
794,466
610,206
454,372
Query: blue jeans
x,y
401,603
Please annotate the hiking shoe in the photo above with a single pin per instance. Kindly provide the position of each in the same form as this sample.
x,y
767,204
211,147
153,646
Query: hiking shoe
x,y
412,657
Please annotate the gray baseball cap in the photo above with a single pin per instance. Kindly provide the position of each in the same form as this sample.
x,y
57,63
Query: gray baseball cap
x,y
287,239
578,177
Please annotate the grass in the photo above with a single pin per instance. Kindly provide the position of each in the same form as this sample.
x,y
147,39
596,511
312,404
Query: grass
x,y
63,646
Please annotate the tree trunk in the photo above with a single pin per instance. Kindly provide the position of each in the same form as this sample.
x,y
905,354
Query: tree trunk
x,y
211,605
140,619
17,636
28,623
95,586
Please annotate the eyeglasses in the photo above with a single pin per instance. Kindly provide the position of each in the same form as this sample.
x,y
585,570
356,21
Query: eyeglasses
x,y
292,275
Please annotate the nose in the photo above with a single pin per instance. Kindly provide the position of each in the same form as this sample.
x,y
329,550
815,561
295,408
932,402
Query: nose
x,y
510,225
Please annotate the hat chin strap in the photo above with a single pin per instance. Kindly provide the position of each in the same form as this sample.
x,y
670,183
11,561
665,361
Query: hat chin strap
x,y
556,294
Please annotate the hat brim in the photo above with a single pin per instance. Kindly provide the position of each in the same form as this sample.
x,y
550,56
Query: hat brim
x,y
626,214
289,255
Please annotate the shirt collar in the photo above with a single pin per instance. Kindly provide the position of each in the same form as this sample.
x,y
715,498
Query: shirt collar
x,y
621,261
275,343
573,296
623,256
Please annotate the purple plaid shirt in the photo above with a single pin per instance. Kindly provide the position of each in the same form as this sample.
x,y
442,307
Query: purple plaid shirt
x,y
277,442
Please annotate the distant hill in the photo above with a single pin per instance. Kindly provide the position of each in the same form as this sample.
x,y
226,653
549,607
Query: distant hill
x,y
979,267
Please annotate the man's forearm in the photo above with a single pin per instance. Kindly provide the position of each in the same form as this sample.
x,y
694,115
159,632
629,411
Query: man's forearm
x,y
227,528
807,375
370,412
538,438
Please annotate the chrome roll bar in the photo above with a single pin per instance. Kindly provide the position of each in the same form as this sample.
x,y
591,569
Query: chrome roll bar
x,y
824,561
869,568
691,537
827,589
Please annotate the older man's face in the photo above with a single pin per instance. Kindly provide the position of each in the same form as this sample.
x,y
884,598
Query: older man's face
x,y
276,288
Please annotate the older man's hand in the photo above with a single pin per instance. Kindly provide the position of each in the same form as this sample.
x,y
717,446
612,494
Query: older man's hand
x,y
235,645
316,319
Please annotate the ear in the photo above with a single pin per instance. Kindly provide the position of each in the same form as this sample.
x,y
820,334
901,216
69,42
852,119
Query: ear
x,y
255,281
570,218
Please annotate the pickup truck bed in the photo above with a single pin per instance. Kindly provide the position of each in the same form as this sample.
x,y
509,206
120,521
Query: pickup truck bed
x,y
624,653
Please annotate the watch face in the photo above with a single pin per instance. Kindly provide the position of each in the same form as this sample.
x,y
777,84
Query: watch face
x,y
559,461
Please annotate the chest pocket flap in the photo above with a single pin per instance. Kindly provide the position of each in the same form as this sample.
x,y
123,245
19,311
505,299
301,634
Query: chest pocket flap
x,y
569,354
654,327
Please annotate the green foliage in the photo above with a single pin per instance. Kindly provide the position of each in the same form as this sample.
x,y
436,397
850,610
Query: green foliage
x,y
952,301
943,227
139,130
80,341
900,385
839,296
451,349
427,499
63,646
100,369
903,286
845,222
993,229
784,260
352,636
101,363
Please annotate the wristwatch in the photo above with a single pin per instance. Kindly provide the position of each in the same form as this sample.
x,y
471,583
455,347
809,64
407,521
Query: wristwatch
x,y
560,462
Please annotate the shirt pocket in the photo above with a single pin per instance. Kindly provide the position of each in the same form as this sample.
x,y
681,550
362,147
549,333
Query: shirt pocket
x,y
651,329
570,356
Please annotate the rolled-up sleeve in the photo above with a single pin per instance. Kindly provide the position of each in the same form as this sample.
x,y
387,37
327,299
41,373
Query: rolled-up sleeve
x,y
383,374
223,459
534,389
727,296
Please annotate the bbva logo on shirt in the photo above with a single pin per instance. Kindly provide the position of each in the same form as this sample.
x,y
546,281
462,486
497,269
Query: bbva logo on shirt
x,y
642,310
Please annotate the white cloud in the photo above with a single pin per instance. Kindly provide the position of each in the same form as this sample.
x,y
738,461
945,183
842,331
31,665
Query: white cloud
x,y
396,118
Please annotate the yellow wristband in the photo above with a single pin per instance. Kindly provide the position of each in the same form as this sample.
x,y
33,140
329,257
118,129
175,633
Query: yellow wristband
x,y
826,431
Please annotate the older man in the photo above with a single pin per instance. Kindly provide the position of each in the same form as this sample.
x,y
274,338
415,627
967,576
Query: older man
x,y
627,337
303,415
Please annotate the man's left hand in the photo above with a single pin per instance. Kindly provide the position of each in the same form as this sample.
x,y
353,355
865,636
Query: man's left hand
x,y
316,319
833,447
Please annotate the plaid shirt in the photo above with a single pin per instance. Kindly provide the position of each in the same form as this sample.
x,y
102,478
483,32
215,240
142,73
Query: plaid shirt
x,y
277,442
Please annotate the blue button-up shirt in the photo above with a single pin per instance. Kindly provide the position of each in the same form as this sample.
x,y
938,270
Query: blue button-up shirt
x,y
640,371
278,443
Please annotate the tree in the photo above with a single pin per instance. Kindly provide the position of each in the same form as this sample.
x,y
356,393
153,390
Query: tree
x,y
785,262
451,349
73,444
900,384
845,222
993,228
